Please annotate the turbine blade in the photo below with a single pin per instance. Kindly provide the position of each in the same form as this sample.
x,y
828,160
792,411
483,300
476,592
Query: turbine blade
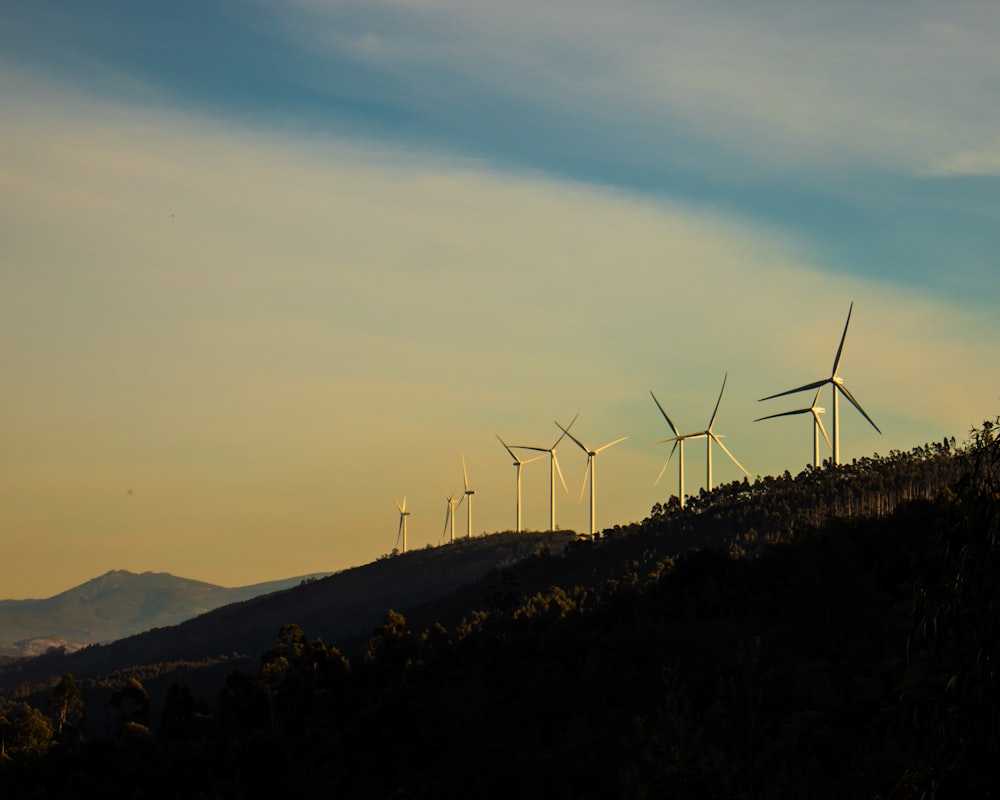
x,y
401,506
586,477
526,447
664,441
785,414
558,471
711,422
806,388
664,467
465,474
460,501
823,429
669,422
846,392
579,444
565,430
726,451
606,446
529,460
840,350
505,447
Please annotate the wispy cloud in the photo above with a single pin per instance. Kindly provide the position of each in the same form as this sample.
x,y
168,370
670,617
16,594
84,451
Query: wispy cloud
x,y
862,82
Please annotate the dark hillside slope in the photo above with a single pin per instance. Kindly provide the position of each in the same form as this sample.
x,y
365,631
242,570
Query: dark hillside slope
x,y
850,658
332,608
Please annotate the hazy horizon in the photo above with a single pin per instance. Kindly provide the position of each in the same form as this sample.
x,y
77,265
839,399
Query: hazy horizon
x,y
266,269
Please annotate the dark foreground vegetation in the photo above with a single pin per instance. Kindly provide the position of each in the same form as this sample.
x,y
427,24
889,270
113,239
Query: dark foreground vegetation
x,y
831,635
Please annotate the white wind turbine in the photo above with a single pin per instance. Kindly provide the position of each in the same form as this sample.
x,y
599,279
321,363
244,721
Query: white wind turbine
x,y
711,437
837,383
678,441
518,463
450,516
467,496
707,434
403,514
591,458
553,469
818,428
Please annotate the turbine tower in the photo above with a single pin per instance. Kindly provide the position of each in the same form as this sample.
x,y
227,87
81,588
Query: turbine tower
x,y
553,469
467,496
403,514
518,463
591,458
815,410
678,441
837,383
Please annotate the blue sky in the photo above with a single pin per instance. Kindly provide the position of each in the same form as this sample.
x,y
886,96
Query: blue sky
x,y
269,266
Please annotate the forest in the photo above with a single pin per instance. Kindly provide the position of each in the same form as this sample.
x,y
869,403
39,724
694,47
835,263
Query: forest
x,y
831,634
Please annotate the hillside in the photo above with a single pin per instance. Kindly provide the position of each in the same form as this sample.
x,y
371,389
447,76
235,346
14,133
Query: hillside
x,y
115,605
334,608
828,635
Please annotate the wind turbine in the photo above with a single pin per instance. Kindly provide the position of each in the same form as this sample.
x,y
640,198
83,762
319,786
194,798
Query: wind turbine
x,y
450,516
518,463
591,458
711,437
553,469
708,434
467,496
403,514
678,441
838,386
815,410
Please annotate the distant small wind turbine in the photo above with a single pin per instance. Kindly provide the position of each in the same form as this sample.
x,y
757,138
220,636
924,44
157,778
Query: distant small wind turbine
x,y
553,469
467,496
818,428
450,516
403,514
518,463
678,441
591,458
838,386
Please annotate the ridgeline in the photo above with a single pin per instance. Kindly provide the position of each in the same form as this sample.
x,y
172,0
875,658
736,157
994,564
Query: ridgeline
x,y
832,634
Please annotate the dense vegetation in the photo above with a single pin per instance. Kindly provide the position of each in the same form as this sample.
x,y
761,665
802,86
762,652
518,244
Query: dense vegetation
x,y
828,635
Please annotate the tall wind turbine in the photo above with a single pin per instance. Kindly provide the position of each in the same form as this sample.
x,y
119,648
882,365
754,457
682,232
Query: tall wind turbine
x,y
553,469
591,458
678,441
838,386
403,514
450,516
467,496
815,410
518,463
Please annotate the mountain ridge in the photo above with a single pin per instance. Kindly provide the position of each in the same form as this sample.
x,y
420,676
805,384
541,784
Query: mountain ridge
x,y
115,605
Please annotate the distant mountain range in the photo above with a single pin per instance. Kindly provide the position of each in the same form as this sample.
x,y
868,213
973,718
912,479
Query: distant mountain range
x,y
116,605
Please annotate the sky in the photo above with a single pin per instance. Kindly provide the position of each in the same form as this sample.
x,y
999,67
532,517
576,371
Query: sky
x,y
266,268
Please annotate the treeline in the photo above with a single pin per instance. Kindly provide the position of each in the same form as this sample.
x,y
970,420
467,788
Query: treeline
x,y
854,654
